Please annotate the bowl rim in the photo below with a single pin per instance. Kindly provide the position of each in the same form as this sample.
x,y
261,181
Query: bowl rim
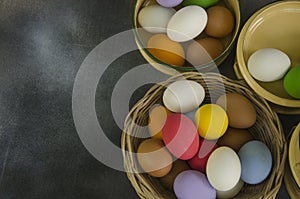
x,y
185,68
292,147
294,103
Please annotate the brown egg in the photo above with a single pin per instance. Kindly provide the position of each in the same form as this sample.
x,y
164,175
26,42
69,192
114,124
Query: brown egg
x,y
157,118
235,138
166,50
204,50
178,167
220,21
154,158
240,111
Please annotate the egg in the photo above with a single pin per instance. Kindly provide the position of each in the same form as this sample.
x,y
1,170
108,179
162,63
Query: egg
x,y
232,192
178,167
291,82
256,161
193,184
223,168
199,161
154,158
240,111
157,118
180,136
191,114
169,3
220,22
203,51
211,121
166,50
268,64
155,18
183,96
235,138
187,23
202,3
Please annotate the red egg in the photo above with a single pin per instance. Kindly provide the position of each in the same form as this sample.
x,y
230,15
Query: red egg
x,y
180,136
199,161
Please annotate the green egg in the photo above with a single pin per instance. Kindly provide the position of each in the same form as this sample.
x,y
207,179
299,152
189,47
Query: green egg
x,y
202,3
291,82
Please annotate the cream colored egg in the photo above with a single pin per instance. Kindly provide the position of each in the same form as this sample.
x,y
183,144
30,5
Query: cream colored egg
x,y
183,96
223,169
155,18
268,64
187,23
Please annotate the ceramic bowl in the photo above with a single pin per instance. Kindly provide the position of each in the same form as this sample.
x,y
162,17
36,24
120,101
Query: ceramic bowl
x,y
274,26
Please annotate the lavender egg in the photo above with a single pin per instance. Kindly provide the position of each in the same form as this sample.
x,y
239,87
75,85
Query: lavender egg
x,y
191,184
169,3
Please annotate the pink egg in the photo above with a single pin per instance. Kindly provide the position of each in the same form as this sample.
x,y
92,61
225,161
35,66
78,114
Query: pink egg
x,y
199,161
180,136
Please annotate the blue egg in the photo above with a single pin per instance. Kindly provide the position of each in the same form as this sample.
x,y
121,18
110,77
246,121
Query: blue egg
x,y
191,114
256,162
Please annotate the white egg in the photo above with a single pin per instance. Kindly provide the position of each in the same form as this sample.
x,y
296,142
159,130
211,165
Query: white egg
x,y
183,96
187,23
232,192
268,64
155,18
223,169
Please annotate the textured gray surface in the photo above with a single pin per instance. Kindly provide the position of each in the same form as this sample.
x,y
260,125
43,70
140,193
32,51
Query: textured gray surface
x,y
42,45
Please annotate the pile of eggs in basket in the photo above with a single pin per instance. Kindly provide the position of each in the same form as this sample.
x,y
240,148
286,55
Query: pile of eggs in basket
x,y
199,148
186,32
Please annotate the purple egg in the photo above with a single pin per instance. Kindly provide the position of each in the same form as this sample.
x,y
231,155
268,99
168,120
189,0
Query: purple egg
x,y
169,3
192,184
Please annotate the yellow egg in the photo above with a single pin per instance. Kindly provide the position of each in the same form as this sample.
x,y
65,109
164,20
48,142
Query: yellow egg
x,y
166,50
211,121
157,118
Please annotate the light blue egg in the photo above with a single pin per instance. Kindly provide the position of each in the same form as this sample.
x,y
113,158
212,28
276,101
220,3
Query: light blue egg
x,y
256,162
191,114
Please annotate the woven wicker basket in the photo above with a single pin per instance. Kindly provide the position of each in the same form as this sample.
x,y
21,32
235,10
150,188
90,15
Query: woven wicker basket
x,y
267,129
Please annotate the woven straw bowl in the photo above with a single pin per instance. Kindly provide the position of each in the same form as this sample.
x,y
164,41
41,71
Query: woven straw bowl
x,y
267,129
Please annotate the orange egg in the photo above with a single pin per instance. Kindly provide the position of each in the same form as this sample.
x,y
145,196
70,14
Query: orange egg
x,y
157,118
166,50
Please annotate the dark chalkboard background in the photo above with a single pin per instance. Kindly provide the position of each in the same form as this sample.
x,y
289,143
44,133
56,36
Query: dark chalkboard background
x,y
42,45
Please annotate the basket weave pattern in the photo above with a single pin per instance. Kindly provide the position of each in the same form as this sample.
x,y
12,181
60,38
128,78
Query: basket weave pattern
x,y
266,129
